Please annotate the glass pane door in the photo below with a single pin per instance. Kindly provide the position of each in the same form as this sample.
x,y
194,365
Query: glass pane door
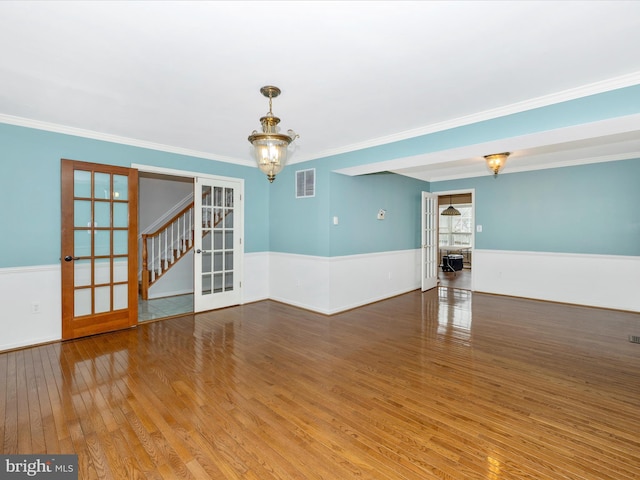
x,y
99,254
429,240
218,244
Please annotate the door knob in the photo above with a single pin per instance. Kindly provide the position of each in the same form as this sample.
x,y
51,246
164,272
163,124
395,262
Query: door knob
x,y
198,251
68,258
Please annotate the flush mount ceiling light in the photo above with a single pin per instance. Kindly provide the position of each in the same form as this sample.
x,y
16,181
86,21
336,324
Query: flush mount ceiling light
x,y
270,148
496,161
450,210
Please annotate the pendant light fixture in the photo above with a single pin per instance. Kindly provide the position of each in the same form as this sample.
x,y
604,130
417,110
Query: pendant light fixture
x,y
496,161
450,210
270,148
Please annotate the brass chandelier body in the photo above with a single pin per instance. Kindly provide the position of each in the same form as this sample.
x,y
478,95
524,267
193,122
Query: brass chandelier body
x,y
270,148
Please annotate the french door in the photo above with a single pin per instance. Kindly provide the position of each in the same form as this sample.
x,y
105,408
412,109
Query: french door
x,y
429,241
99,251
218,248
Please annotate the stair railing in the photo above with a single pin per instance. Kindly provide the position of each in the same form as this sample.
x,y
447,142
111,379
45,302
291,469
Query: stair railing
x,y
169,243
164,247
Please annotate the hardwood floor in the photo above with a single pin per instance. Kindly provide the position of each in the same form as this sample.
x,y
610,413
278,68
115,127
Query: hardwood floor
x,y
459,279
443,384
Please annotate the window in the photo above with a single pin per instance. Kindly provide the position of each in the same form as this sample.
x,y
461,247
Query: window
x,y
306,183
456,230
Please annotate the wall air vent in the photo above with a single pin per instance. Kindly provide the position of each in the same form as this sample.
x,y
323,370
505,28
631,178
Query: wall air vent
x,y
634,338
306,183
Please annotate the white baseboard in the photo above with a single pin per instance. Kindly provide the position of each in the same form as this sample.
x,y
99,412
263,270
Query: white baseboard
x,y
606,281
172,293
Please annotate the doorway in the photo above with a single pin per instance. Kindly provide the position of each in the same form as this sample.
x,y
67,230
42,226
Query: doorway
x,y
207,273
160,197
456,238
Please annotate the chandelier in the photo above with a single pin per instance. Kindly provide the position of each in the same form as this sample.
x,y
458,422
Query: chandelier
x,y
496,161
270,148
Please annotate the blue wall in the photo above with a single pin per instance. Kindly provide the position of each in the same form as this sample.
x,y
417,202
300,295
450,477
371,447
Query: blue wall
x,y
590,209
30,189
563,210
356,201
299,225
305,225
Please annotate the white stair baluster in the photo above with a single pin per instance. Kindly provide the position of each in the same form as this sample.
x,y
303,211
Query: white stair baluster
x,y
191,228
163,249
179,245
173,259
153,259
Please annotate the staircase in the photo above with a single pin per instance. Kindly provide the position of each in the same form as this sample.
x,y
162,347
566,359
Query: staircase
x,y
162,249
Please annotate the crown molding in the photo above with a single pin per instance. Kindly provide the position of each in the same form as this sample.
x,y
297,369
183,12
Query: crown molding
x,y
623,81
105,137
559,97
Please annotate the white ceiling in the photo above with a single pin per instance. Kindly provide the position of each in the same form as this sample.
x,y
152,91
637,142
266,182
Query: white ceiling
x,y
353,74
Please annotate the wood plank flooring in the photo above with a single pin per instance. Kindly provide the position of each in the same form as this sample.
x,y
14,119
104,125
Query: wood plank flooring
x,y
460,279
445,384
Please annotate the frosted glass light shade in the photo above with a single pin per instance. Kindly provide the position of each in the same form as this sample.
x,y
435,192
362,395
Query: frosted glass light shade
x,y
270,155
496,161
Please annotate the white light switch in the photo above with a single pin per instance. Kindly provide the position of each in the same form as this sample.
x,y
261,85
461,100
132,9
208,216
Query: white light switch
x,y
479,228
335,220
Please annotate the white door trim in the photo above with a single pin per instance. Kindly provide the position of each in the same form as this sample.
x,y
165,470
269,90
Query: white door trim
x,y
472,191
183,173
239,261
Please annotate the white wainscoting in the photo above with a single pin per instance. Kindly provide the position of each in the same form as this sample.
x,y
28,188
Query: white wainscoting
x,y
255,279
607,281
332,285
300,280
20,289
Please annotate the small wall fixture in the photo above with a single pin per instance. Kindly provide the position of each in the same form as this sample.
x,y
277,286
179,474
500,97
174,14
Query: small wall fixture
x,y
270,148
450,210
496,161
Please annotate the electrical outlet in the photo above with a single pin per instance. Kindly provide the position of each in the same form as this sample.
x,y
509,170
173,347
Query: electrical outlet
x,y
35,307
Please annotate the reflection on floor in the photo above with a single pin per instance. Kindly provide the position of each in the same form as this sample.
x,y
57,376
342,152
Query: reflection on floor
x,y
164,307
460,279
